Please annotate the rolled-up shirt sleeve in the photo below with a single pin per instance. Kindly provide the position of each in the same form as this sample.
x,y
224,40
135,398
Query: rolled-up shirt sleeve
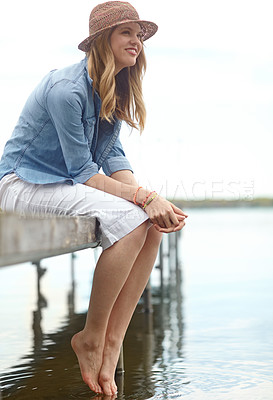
x,y
116,160
64,106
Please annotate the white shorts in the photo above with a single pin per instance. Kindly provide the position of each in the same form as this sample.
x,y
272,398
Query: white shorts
x,y
117,217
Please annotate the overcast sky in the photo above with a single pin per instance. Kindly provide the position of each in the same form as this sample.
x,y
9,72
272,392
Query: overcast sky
x,y
208,88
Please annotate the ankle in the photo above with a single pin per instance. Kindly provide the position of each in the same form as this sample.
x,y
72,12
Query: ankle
x,y
113,342
87,343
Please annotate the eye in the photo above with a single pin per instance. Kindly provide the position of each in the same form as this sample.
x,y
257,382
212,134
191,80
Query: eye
x,y
126,32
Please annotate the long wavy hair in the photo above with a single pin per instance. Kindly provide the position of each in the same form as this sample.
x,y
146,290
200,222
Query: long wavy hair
x,y
121,94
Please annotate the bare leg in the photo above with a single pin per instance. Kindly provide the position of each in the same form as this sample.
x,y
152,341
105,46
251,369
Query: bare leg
x,y
112,271
124,307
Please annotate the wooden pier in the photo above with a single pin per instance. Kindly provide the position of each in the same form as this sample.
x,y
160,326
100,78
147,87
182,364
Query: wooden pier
x,y
33,238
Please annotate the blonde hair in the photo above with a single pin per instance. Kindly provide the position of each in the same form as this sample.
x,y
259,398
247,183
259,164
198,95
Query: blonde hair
x,y
121,94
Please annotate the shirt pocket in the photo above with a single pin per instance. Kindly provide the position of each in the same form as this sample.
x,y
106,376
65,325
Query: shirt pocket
x,y
89,128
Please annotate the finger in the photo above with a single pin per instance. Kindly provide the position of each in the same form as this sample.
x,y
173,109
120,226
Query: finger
x,y
171,229
167,220
178,211
181,225
160,229
164,230
174,219
170,220
160,221
156,221
157,227
180,217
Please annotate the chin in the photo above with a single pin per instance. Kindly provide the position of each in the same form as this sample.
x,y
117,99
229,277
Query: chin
x,y
132,63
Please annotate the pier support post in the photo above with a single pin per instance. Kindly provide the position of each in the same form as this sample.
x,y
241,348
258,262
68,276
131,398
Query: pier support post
x,y
147,296
161,264
120,364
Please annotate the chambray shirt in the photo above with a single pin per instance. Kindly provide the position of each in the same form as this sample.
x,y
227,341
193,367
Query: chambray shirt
x,y
59,136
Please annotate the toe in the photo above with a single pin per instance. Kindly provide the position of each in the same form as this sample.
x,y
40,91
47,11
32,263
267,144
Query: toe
x,y
114,388
106,388
94,386
97,388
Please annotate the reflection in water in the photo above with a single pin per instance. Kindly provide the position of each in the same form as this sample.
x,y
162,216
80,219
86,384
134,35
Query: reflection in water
x,y
154,341
37,314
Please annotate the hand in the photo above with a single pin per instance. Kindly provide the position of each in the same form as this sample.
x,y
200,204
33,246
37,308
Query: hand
x,y
165,216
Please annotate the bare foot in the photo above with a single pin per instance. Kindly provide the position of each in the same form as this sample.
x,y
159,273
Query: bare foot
x,y
90,361
107,372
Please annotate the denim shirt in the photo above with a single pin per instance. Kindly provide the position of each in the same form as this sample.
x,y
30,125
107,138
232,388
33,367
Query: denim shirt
x,y
59,136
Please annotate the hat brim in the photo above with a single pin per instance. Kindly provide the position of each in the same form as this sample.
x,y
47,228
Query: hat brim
x,y
149,29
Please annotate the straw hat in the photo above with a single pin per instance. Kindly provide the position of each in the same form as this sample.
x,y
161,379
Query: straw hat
x,y
113,13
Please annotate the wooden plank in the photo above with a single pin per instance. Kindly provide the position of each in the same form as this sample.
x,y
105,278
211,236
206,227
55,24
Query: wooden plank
x,y
32,238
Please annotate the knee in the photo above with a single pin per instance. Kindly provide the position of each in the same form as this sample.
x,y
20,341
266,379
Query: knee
x,y
154,237
139,235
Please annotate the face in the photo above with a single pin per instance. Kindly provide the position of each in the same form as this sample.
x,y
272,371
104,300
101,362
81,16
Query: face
x,y
126,44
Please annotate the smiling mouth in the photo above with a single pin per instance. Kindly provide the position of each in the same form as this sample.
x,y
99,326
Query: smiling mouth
x,y
132,51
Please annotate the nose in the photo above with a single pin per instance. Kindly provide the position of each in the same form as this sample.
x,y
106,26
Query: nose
x,y
136,41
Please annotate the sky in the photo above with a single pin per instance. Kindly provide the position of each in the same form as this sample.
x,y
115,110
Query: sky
x,y
208,88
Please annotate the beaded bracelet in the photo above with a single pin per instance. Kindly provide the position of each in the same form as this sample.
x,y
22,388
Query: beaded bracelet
x,y
144,201
149,201
135,195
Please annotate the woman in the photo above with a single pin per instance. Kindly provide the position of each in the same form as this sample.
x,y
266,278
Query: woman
x,y
69,129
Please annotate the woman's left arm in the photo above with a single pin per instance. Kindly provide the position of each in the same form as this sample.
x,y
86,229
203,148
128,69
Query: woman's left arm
x,y
126,176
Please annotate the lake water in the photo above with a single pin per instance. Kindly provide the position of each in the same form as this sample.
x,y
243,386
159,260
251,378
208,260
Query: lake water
x,y
210,335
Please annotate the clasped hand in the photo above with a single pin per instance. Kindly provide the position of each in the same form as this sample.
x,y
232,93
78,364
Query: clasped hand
x,y
165,216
